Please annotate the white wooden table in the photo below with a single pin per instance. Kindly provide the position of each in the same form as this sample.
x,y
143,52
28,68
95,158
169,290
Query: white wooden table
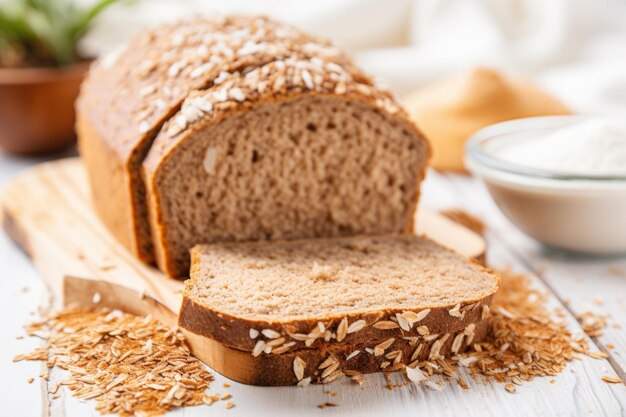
x,y
577,285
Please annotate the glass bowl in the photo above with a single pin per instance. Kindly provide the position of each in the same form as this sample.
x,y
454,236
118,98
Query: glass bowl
x,y
564,210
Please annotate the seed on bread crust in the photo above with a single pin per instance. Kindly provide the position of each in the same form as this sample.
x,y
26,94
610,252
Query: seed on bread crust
x,y
456,311
380,348
270,334
422,315
304,382
423,331
342,329
352,355
328,362
356,326
458,341
298,367
403,322
385,325
258,348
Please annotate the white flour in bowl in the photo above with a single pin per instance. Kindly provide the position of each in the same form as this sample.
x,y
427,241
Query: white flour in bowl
x,y
592,147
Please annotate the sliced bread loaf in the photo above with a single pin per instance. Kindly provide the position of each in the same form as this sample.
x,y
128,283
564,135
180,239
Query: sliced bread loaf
x,y
242,129
282,296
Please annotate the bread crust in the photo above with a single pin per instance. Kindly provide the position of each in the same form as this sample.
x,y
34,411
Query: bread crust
x,y
277,369
234,331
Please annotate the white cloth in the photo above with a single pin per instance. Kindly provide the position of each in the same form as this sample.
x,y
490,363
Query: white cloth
x,y
575,49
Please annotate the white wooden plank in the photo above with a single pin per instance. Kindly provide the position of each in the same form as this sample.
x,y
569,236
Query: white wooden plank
x,y
21,292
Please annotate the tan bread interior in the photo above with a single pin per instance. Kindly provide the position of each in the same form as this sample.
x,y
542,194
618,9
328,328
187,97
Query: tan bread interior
x,y
320,277
313,166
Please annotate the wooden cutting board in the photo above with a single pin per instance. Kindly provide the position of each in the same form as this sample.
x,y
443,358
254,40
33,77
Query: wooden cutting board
x,y
47,211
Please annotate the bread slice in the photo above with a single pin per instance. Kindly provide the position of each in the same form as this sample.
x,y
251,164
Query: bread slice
x,y
174,159
360,291
306,164
329,361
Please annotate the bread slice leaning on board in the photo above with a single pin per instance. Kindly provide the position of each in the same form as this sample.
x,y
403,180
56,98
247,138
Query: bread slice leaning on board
x,y
242,129
371,295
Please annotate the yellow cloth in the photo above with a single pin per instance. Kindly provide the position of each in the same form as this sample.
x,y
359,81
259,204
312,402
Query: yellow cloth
x,y
448,112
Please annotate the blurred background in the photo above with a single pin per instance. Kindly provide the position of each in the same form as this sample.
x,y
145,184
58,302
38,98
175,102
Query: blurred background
x,y
572,50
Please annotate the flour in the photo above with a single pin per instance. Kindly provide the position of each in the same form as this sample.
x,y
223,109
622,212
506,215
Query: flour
x,y
593,147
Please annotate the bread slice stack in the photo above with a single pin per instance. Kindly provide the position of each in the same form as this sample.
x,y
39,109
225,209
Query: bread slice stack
x,y
321,308
298,177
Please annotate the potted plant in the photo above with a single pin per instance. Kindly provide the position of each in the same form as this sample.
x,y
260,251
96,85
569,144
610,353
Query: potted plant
x,y
41,71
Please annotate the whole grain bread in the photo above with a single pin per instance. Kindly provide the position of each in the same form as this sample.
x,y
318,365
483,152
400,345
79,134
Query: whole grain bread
x,y
242,128
361,291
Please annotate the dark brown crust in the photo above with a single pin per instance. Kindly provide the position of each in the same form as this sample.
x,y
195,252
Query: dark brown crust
x,y
235,331
277,370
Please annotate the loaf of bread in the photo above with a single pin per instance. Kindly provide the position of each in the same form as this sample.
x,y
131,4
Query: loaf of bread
x,y
242,129
360,291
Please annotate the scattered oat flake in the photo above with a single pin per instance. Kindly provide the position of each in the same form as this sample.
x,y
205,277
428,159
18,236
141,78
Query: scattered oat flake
x,y
230,405
593,324
611,379
104,353
510,388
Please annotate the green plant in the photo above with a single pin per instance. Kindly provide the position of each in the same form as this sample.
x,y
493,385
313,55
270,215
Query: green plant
x,y
43,32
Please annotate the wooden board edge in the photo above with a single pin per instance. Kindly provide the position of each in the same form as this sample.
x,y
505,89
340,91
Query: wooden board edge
x,y
14,230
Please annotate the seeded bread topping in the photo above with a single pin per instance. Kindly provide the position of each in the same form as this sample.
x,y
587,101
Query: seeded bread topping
x,y
280,78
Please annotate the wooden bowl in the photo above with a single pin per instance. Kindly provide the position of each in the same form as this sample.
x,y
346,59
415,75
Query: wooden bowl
x,y
37,107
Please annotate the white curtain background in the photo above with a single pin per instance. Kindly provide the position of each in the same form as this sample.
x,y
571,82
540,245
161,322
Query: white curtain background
x,y
575,49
